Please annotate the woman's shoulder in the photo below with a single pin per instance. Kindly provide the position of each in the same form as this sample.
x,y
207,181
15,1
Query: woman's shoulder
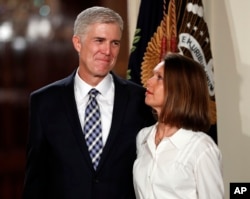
x,y
204,138
203,142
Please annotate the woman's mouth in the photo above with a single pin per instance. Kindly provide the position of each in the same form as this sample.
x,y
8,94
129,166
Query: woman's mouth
x,y
148,92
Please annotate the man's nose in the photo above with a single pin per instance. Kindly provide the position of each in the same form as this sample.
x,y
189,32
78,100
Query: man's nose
x,y
106,48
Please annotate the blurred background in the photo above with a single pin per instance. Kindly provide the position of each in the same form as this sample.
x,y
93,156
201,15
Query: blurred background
x,y
36,49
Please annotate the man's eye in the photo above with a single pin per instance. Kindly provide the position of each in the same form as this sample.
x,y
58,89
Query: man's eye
x,y
99,40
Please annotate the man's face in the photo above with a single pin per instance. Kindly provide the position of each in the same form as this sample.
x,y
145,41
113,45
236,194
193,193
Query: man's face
x,y
98,50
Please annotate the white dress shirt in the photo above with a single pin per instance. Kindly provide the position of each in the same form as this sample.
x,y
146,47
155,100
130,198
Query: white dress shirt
x,y
105,100
186,165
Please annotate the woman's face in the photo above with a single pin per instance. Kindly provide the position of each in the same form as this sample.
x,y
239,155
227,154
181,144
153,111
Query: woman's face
x,y
155,88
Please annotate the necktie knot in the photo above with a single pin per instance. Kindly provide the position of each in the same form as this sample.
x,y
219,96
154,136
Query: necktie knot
x,y
93,93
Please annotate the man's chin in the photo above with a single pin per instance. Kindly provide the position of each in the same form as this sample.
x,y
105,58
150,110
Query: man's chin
x,y
101,74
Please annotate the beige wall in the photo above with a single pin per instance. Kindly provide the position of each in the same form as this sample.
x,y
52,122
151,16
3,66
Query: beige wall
x,y
230,37
230,32
133,7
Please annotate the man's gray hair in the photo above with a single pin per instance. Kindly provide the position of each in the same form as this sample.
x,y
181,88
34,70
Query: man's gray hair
x,y
93,15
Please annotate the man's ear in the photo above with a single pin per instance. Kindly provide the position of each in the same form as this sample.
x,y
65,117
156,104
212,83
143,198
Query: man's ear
x,y
77,43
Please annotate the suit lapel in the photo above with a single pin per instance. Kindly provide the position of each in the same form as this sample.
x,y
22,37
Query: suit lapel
x,y
72,113
120,101
121,97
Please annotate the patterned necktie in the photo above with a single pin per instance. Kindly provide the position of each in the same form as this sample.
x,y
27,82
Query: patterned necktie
x,y
92,128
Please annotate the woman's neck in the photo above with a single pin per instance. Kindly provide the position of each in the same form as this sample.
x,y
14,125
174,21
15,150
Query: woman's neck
x,y
164,130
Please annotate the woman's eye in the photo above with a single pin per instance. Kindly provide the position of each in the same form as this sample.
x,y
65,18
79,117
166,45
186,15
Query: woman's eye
x,y
159,77
116,43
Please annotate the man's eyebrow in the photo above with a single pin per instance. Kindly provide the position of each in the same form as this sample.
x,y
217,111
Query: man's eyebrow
x,y
99,38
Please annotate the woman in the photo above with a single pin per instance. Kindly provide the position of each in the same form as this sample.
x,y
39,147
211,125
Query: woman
x,y
175,158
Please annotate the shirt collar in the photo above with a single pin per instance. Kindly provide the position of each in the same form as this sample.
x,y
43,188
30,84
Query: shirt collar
x,y
102,87
181,137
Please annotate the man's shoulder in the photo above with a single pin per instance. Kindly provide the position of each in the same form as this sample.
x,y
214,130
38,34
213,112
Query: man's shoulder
x,y
55,86
127,83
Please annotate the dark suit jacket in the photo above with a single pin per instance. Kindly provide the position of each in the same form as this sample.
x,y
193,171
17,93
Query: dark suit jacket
x,y
58,164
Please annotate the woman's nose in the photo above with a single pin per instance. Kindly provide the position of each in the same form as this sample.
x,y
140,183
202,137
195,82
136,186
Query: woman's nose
x,y
149,82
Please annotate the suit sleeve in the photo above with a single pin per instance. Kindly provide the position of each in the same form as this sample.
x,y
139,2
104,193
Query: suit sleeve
x,y
35,173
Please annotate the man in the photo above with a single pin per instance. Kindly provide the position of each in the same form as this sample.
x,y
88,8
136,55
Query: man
x,y
59,156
